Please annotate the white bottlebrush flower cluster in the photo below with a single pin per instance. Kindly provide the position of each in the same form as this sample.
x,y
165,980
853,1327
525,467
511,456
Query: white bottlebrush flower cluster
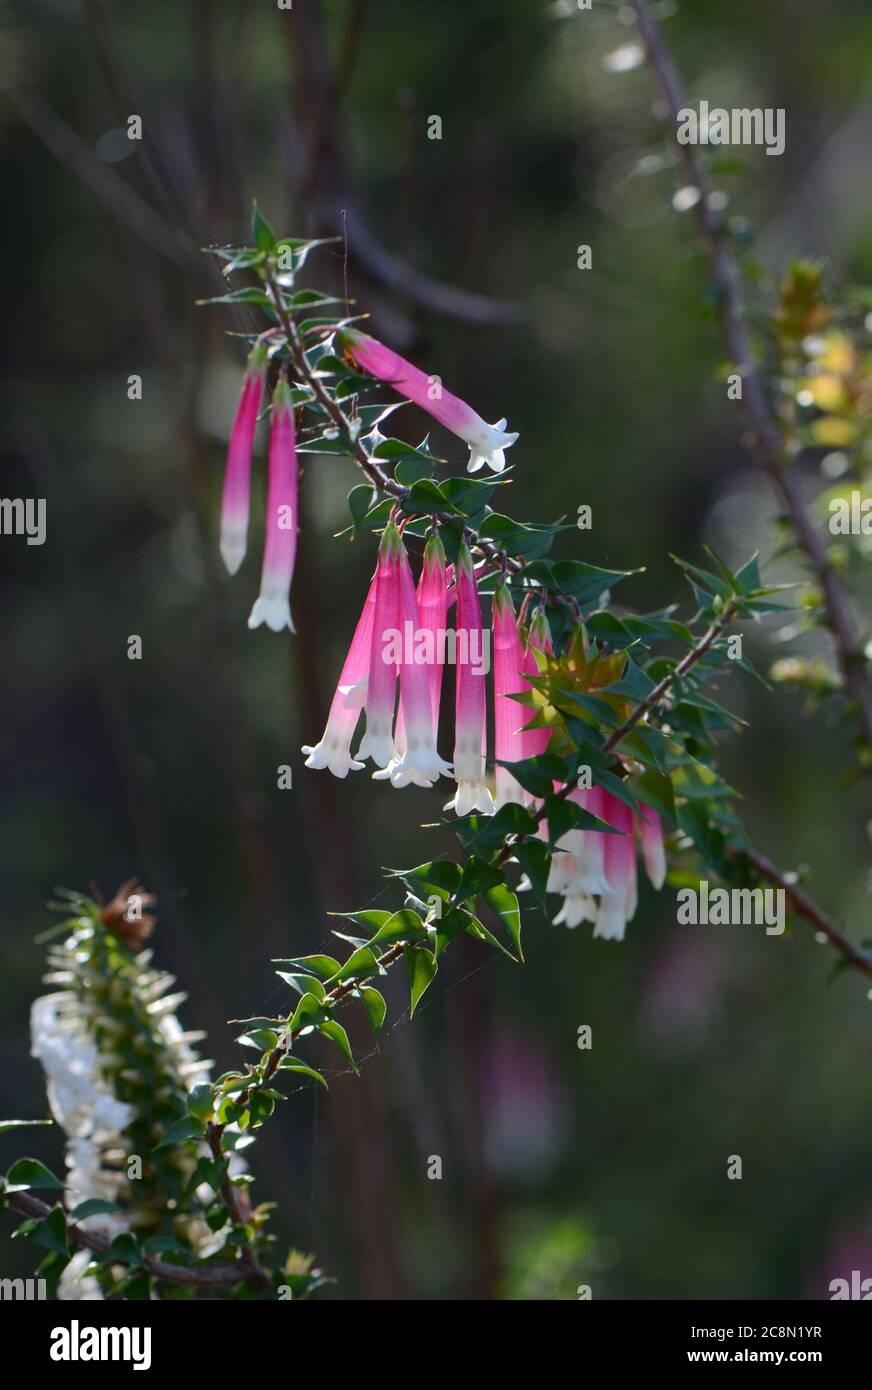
x,y
118,1065
84,1105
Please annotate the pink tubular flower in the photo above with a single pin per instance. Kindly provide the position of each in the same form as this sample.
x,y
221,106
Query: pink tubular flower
x,y
381,688
487,443
653,854
509,715
272,606
237,475
334,749
433,610
471,726
417,760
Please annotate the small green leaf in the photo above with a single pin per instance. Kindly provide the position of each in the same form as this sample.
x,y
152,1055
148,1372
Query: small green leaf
x,y
323,966
422,967
94,1206
291,1064
504,903
29,1172
337,1034
404,925
359,966
376,1008
200,1101
179,1132
125,1250
534,859
52,1232
306,1014
264,236
21,1124
303,984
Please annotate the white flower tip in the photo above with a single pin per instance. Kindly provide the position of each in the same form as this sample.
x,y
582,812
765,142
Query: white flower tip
x,y
488,446
471,796
339,763
379,747
274,611
232,547
423,768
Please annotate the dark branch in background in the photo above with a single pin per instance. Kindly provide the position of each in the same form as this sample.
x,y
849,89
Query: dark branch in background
x,y
768,444
110,190
330,201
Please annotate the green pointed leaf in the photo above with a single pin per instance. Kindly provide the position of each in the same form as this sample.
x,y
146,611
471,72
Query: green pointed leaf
x,y
359,966
52,1232
200,1101
323,966
182,1130
534,859
303,984
422,967
29,1172
404,925
376,1008
125,1250
654,789
504,903
94,1206
291,1064
337,1035
307,1013
477,878
264,236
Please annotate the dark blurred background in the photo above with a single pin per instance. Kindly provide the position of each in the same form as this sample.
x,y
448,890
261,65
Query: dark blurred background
x,y
560,1167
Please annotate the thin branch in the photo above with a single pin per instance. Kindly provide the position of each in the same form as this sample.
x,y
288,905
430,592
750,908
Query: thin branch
x,y
687,662
377,475
806,907
239,1207
215,1276
768,444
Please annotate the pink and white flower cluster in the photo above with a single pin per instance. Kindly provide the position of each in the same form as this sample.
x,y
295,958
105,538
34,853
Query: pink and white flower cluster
x,y
595,871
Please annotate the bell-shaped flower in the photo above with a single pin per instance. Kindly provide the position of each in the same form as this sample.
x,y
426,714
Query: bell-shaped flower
x,y
470,690
509,715
588,847
334,749
577,908
618,904
235,499
381,688
487,443
273,604
416,757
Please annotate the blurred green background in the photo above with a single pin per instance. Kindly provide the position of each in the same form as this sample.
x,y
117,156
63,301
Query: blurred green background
x,y
560,1167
